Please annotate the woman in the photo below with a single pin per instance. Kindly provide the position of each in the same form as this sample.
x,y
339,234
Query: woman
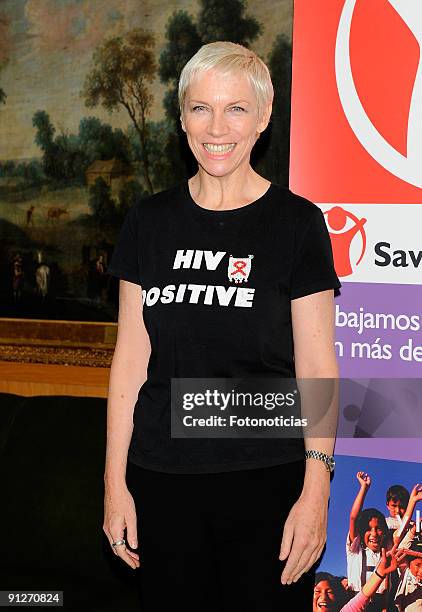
x,y
228,270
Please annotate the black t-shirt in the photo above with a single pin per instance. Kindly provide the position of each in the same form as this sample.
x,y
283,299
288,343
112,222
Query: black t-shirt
x,y
184,256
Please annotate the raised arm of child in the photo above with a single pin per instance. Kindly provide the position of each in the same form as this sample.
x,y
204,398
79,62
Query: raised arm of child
x,y
388,563
408,538
415,496
365,482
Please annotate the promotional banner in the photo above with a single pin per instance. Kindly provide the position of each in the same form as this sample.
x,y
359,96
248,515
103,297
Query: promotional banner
x,y
380,490
355,139
355,151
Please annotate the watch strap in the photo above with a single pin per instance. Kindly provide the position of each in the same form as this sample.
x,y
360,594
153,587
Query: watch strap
x,y
327,459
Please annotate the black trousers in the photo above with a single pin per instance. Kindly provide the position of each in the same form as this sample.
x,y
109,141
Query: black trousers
x,y
210,542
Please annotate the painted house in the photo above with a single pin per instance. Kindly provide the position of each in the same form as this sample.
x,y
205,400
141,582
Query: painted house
x,y
114,172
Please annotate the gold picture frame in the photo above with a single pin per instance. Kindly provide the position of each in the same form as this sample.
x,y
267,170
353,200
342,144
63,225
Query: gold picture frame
x,y
81,343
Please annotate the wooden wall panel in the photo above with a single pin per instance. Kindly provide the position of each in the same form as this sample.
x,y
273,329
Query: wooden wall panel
x,y
45,379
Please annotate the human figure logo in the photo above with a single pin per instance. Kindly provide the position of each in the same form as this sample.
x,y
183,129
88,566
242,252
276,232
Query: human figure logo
x,y
341,238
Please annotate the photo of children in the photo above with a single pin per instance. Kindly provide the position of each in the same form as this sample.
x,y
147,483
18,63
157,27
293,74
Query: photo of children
x,y
373,557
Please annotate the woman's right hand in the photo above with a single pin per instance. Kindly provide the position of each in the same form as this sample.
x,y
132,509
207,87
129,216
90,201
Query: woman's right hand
x,y
120,513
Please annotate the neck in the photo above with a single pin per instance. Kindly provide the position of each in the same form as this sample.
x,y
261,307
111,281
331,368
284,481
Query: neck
x,y
226,192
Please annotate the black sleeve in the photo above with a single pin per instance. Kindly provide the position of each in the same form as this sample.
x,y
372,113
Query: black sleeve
x,y
124,262
313,265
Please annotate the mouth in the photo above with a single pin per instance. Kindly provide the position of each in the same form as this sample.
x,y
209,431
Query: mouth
x,y
324,605
220,149
373,541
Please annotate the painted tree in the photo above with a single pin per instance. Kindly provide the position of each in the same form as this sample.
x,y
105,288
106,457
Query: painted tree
x,y
226,20
183,41
44,138
130,194
217,20
101,203
61,153
122,72
160,167
4,49
280,65
98,140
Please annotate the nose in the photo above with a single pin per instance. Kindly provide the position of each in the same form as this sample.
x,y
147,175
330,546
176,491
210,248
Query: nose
x,y
217,126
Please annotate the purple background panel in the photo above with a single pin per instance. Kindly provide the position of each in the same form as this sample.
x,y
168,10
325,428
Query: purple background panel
x,y
399,449
404,304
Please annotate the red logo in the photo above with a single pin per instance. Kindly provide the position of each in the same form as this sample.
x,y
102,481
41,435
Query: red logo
x,y
239,268
356,101
341,238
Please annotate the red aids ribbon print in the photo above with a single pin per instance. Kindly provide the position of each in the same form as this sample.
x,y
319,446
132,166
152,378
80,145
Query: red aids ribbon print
x,y
239,267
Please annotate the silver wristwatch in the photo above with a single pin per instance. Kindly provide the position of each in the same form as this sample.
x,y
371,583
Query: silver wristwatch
x,y
327,459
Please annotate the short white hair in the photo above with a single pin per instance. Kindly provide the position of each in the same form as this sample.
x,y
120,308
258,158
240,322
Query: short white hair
x,y
229,58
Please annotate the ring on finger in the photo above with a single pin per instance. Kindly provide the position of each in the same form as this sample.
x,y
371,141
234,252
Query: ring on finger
x,y
119,543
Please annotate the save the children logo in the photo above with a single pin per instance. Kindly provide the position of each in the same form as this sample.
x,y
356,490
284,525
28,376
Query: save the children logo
x,y
238,271
373,243
239,268
338,219
406,167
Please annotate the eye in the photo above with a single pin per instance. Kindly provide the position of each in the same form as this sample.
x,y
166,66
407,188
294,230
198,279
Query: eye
x,y
237,108
198,107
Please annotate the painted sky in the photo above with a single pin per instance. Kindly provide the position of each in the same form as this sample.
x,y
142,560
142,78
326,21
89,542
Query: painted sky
x,y
49,45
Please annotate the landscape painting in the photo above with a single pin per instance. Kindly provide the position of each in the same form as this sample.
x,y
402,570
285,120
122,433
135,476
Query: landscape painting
x,y
89,124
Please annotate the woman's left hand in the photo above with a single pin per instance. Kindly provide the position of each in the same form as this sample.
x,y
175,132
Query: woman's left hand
x,y
304,536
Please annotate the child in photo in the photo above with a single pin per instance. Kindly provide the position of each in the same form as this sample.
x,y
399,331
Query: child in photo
x,y
368,534
406,522
397,499
405,530
409,592
331,595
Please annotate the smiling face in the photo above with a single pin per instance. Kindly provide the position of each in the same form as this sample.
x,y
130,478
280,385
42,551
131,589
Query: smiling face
x,y
221,120
324,597
415,567
374,535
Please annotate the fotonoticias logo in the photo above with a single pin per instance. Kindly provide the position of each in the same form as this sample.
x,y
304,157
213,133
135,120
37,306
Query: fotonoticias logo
x,y
406,167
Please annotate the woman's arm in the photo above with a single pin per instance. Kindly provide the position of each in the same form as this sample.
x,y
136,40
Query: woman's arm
x,y
315,358
305,529
127,374
407,539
